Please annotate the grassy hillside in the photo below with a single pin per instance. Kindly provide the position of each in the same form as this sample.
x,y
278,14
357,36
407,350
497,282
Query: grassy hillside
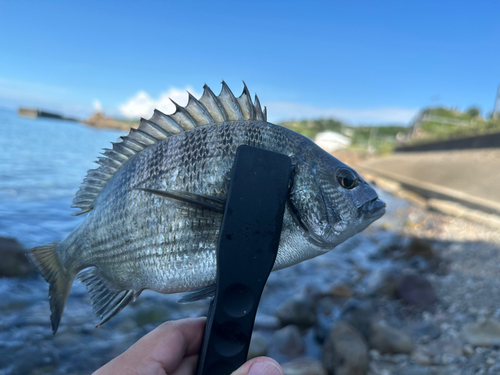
x,y
375,138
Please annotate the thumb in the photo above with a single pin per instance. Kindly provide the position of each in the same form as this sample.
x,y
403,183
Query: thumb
x,y
260,366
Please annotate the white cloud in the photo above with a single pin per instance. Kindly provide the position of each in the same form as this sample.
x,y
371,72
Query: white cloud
x,y
97,105
282,111
143,105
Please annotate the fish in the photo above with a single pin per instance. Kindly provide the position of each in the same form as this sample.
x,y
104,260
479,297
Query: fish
x,y
155,205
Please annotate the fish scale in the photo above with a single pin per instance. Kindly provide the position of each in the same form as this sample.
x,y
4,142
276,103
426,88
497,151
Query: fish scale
x,y
155,205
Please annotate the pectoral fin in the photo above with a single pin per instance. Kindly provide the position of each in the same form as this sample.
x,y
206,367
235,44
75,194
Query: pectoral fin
x,y
199,200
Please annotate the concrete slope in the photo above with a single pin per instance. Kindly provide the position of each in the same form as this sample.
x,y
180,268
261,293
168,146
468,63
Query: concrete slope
x,y
471,177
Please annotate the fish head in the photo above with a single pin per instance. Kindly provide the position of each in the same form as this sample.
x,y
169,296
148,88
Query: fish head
x,y
330,201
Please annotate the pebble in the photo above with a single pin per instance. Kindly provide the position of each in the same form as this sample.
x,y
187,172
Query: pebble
x,y
482,333
386,339
384,281
422,357
303,366
341,291
300,312
345,351
289,341
416,291
360,315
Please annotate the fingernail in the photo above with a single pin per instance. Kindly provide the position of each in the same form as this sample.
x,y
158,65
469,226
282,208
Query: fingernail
x,y
265,368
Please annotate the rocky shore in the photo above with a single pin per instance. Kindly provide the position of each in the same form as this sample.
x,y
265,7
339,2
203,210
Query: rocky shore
x,y
414,294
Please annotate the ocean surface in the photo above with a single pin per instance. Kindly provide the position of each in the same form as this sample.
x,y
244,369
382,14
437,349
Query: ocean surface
x,y
42,164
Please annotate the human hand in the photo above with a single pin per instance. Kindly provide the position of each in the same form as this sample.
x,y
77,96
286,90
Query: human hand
x,y
172,349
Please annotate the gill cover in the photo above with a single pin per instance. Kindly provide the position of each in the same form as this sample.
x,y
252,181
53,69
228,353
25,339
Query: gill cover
x,y
307,203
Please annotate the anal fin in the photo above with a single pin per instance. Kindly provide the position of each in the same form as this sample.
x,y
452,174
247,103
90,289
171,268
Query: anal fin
x,y
105,302
198,294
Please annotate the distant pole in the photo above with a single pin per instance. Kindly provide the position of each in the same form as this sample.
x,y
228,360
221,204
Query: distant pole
x,y
496,109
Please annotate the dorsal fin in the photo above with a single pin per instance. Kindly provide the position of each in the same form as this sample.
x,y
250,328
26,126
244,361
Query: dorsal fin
x,y
209,109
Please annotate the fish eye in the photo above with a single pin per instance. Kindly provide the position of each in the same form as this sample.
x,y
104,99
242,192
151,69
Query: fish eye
x,y
347,179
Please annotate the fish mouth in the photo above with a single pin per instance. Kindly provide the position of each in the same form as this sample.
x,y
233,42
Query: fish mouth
x,y
373,209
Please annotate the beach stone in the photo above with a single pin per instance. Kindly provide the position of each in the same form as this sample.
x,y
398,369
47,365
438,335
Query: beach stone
x,y
416,291
341,291
360,315
421,356
303,366
482,333
258,346
384,281
425,329
267,322
447,347
345,351
289,341
416,370
419,247
14,262
300,312
386,339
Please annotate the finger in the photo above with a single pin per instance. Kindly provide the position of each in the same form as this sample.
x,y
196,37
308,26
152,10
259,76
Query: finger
x,y
160,351
187,366
168,344
260,366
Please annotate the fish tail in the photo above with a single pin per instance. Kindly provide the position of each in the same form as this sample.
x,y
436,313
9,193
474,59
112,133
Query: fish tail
x,y
44,258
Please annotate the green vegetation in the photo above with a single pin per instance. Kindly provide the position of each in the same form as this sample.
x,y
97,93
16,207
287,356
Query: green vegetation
x,y
442,123
435,123
374,138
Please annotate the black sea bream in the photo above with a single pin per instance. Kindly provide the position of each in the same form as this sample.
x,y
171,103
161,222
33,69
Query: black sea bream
x,y
155,205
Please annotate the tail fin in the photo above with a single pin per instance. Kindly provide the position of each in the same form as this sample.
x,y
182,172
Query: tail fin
x,y
44,258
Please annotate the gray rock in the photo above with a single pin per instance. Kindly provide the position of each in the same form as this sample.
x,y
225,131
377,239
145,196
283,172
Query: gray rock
x,y
258,346
384,281
14,262
340,291
386,339
267,322
359,314
300,312
446,347
345,351
425,329
289,341
303,366
421,356
482,333
416,291
419,247
415,370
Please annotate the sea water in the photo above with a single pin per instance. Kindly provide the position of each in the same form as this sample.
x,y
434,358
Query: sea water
x,y
42,164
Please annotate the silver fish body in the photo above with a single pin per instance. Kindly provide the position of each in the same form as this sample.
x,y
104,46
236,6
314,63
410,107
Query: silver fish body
x,y
144,232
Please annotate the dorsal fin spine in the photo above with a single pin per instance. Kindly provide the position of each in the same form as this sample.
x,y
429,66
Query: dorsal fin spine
x,y
259,116
186,120
207,110
246,105
166,122
152,129
211,102
230,103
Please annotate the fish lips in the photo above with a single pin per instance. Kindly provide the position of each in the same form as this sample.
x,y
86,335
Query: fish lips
x,y
373,209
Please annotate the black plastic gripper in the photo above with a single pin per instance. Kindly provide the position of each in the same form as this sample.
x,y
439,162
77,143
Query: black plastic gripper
x,y
247,248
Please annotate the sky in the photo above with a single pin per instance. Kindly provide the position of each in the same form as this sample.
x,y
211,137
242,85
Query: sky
x,y
363,62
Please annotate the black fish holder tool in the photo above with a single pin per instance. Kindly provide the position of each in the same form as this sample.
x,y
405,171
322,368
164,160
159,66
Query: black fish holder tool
x,y
248,245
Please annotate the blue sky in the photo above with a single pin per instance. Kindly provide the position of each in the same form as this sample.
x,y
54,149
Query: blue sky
x,y
364,62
